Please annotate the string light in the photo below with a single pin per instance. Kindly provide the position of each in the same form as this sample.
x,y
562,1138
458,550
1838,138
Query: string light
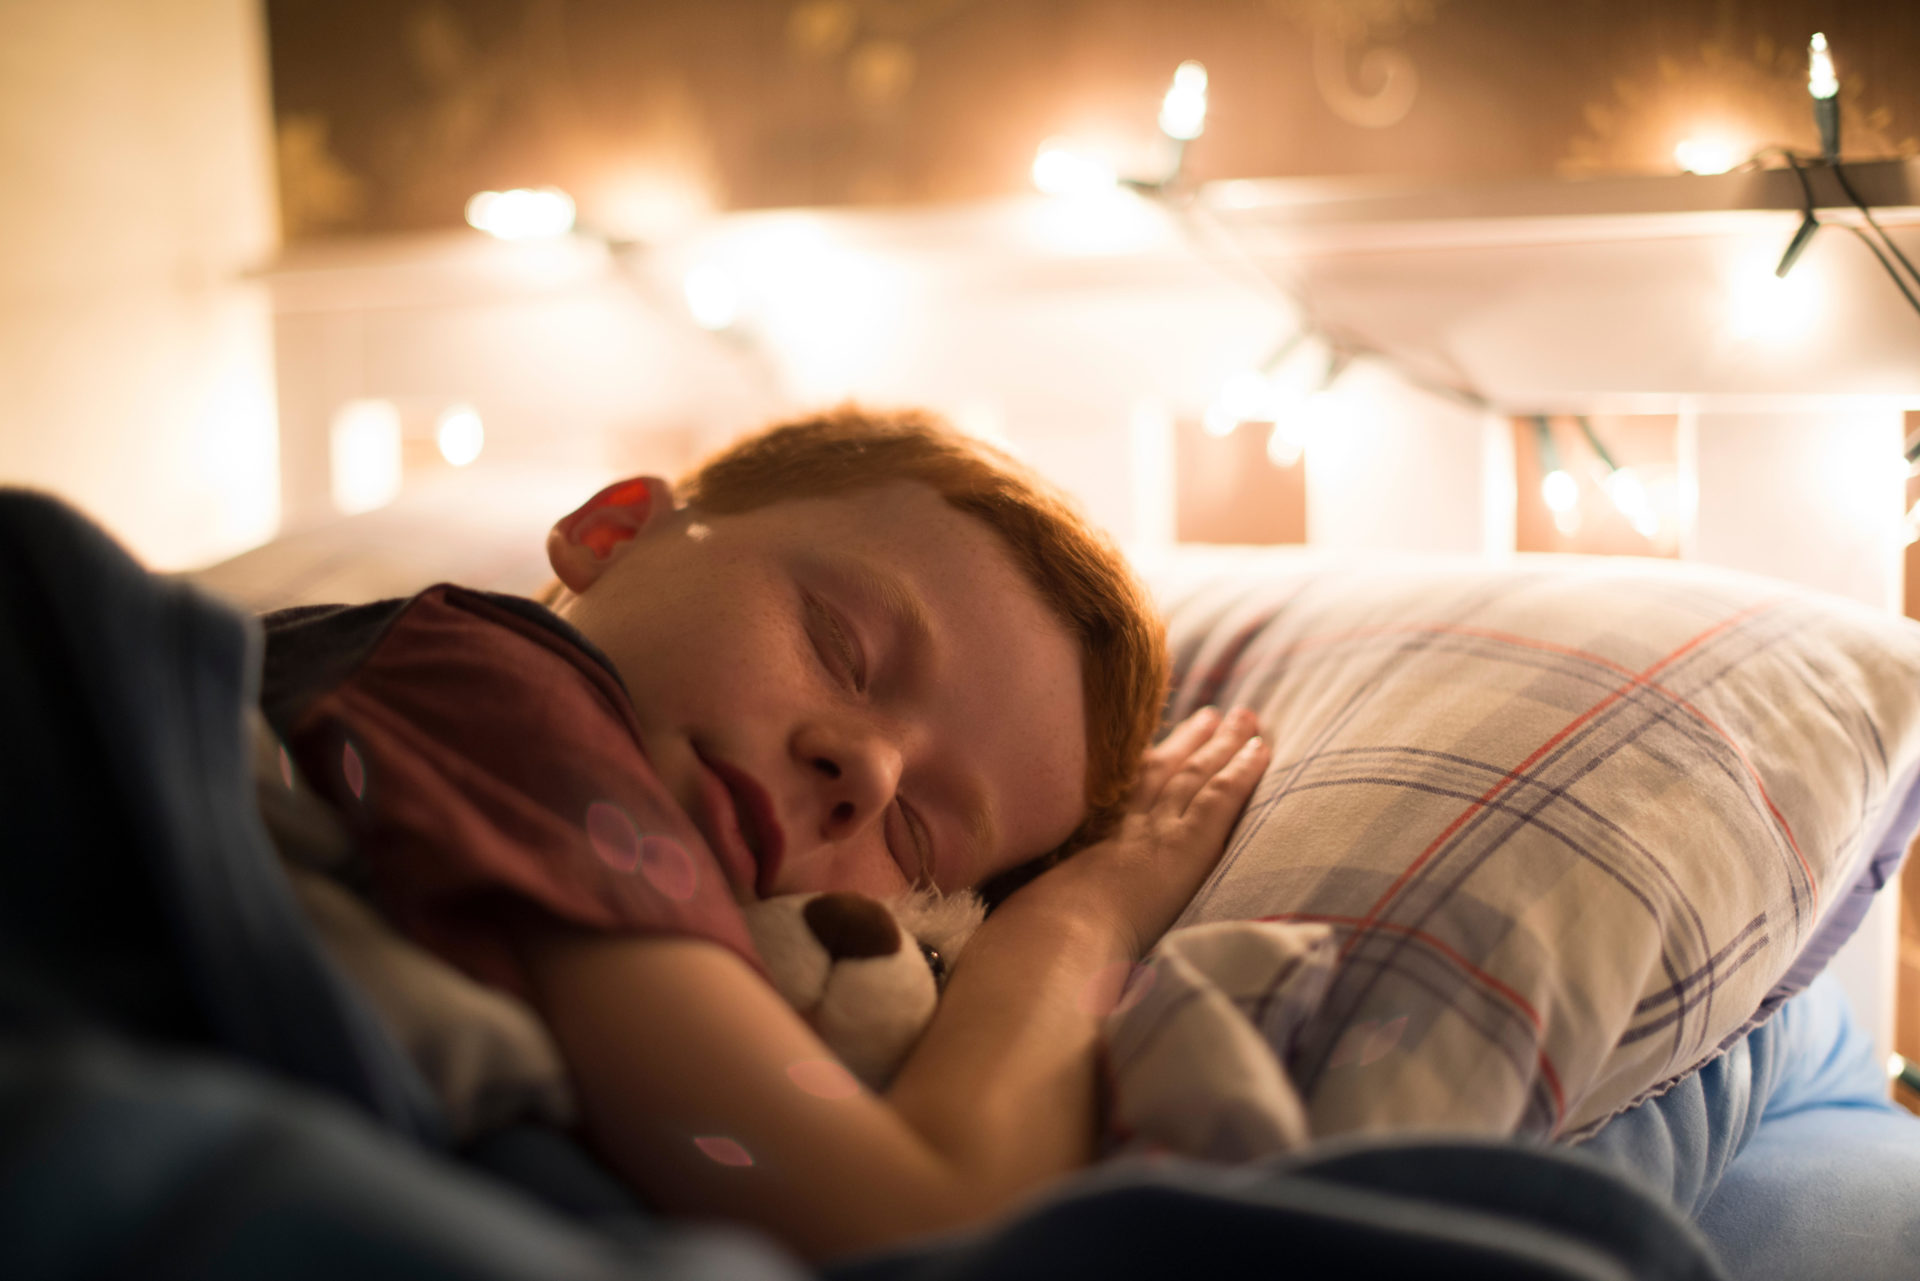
x,y
522,213
460,434
1247,397
1183,112
1281,392
1623,486
1558,489
1062,169
1286,442
1706,155
713,297
1825,88
364,448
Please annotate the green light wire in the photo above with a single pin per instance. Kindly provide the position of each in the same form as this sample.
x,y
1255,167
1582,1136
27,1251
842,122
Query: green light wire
x,y
1549,452
1593,438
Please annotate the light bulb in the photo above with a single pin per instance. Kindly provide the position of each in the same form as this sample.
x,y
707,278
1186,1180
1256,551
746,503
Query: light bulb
x,y
460,434
1706,155
364,448
1218,421
1286,443
522,214
1821,82
1060,170
1183,112
713,297
1631,497
1560,491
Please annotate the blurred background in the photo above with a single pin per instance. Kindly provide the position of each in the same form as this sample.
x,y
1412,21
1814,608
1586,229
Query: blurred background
x,y
291,285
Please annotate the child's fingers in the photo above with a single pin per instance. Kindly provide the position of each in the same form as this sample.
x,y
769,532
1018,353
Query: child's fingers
x,y
1217,806
1170,752
1221,798
1207,761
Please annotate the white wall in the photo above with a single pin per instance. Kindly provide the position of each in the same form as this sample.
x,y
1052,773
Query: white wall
x,y
135,361
1812,493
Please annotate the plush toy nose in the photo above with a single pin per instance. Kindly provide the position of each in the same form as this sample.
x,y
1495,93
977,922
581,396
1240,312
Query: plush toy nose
x,y
850,926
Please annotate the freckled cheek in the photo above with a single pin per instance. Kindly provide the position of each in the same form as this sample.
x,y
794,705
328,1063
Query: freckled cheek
x,y
739,664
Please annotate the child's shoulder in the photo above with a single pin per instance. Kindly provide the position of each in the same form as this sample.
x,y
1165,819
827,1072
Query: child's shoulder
x,y
311,649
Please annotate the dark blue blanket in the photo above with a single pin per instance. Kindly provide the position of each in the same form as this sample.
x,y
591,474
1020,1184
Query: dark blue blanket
x,y
188,1089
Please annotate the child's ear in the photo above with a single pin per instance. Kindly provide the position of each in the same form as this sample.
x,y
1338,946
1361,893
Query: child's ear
x,y
584,542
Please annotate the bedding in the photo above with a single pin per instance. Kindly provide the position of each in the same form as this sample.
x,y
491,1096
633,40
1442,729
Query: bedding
x,y
188,1088
1538,840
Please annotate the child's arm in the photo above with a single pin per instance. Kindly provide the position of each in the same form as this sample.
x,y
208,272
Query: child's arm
x,y
683,1056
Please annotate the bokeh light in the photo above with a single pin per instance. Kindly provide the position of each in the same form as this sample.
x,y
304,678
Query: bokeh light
x,y
722,1150
613,836
460,434
522,213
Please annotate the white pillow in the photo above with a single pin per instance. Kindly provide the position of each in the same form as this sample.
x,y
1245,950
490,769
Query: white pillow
x,y
1572,825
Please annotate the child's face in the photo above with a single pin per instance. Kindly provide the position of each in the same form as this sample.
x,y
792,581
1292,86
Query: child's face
x,y
858,692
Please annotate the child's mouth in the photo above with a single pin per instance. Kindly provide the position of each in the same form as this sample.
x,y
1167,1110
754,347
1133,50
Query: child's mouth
x,y
753,819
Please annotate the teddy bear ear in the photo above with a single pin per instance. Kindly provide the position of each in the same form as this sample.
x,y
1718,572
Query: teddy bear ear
x,y
943,922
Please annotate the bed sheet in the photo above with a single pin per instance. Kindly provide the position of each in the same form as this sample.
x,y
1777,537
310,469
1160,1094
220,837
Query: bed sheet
x,y
1785,1150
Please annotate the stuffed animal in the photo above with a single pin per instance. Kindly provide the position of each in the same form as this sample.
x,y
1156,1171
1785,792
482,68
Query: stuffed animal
x,y
865,975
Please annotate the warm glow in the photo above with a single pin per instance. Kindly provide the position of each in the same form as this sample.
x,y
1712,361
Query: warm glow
x,y
713,296
1560,491
1706,155
1821,82
831,316
1098,222
1624,487
1287,442
522,214
1247,397
1061,170
460,434
365,448
1775,309
1183,112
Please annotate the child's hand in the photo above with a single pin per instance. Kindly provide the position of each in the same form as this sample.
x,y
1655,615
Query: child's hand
x,y
1192,786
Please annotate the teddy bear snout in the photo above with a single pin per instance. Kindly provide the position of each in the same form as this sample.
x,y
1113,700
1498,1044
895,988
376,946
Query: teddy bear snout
x,y
851,926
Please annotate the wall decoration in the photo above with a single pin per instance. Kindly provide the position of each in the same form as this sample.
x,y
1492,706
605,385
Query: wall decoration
x,y
1363,80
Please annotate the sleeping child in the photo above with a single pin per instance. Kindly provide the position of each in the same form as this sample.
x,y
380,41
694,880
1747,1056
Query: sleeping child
x,y
855,652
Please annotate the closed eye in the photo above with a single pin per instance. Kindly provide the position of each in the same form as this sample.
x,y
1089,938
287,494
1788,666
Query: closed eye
x,y
921,840
836,643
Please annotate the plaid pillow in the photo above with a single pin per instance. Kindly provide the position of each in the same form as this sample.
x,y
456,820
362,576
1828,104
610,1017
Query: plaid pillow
x,y
1537,840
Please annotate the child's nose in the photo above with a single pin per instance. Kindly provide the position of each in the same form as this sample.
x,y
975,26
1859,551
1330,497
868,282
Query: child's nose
x,y
857,770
